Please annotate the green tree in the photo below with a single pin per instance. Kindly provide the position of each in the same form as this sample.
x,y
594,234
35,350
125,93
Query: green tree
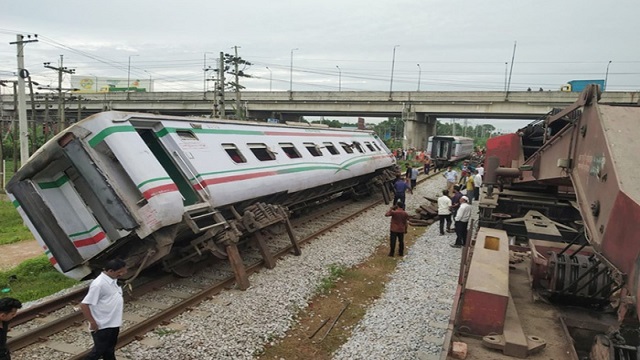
x,y
236,67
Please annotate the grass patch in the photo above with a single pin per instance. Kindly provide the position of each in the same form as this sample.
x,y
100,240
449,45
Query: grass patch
x,y
33,279
164,331
329,282
11,226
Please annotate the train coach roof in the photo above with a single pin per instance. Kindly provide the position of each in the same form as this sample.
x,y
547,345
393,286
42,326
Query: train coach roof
x,y
120,116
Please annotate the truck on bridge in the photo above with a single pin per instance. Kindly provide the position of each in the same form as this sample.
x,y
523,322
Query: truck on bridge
x,y
579,85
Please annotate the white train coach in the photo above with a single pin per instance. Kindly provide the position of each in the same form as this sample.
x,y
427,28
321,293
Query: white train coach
x,y
446,150
150,188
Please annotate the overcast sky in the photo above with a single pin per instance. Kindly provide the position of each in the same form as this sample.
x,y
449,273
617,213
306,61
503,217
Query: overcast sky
x,y
460,45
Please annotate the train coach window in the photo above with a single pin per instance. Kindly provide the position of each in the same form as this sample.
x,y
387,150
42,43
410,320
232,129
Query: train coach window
x,y
369,146
348,148
376,145
186,135
358,146
261,151
234,153
332,149
290,150
313,149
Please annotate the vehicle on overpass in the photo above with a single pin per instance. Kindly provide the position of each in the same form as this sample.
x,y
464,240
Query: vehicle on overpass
x,y
580,85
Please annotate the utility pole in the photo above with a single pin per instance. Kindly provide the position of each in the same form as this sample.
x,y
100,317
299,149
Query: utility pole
x,y
205,68
22,102
34,137
221,84
61,69
239,112
513,57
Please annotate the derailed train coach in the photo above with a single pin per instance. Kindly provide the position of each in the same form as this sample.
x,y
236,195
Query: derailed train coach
x,y
446,150
152,188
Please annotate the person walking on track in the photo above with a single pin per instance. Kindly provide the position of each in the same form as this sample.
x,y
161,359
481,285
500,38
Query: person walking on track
x,y
103,307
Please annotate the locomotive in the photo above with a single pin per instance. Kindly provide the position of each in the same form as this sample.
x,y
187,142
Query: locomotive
x,y
153,189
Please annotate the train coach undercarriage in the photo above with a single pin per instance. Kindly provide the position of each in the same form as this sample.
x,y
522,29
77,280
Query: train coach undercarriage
x,y
208,233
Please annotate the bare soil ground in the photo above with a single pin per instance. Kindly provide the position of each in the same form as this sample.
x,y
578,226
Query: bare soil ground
x,y
12,255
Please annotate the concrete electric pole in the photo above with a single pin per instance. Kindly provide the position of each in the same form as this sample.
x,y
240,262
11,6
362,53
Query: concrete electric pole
x,y
239,112
22,102
221,85
61,69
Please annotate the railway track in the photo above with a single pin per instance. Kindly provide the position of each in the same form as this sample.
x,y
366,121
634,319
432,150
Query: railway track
x,y
55,325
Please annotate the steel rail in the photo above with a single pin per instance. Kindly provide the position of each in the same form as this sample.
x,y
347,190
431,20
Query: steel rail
x,y
135,331
41,333
131,333
49,306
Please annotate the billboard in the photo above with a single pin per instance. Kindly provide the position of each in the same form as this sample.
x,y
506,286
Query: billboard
x,y
95,84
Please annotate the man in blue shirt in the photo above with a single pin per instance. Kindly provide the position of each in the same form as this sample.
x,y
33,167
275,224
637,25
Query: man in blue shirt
x,y
400,187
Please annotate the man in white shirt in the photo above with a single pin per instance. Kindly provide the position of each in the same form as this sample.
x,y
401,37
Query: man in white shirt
x,y
477,183
462,221
452,178
444,211
480,169
102,307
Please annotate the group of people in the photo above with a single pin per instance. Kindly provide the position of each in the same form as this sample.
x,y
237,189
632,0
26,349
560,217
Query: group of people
x,y
454,205
102,307
457,207
470,179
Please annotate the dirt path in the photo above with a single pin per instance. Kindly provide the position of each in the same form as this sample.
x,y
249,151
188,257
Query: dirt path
x,y
13,254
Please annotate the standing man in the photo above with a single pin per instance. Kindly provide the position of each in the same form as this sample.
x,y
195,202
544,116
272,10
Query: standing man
x,y
414,178
8,310
444,211
470,188
477,183
455,200
480,169
400,187
462,221
399,226
452,178
427,164
464,172
102,307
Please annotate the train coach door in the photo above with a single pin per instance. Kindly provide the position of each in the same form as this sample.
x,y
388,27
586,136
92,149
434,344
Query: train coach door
x,y
189,194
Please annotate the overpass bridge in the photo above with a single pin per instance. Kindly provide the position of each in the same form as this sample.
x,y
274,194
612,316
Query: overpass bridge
x,y
419,109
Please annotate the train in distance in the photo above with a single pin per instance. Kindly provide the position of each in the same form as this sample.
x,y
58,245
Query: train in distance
x,y
446,150
153,189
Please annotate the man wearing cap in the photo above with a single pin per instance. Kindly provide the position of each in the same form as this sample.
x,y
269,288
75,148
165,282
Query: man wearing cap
x,y
462,221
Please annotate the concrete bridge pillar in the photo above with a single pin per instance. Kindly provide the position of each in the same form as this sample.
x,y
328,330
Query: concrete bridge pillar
x,y
417,129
